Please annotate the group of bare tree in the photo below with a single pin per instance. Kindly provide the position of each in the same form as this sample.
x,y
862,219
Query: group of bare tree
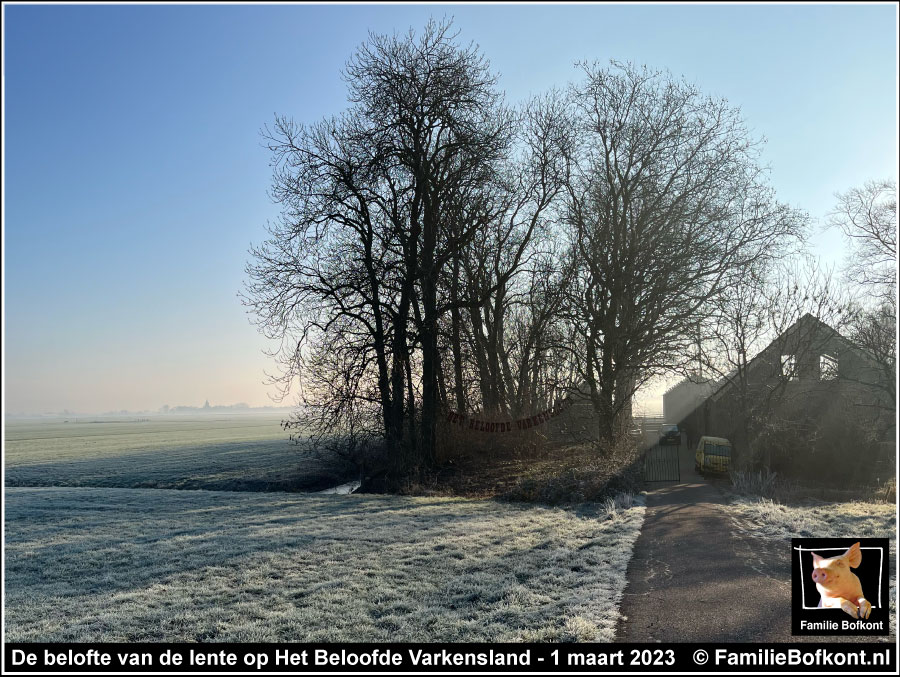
x,y
439,249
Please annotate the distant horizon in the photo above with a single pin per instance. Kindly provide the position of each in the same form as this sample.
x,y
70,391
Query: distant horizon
x,y
160,411
641,408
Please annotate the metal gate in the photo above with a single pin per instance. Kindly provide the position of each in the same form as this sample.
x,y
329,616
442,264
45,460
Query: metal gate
x,y
661,464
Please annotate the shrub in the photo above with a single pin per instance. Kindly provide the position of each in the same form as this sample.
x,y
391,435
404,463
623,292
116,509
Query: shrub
x,y
455,442
756,483
887,491
613,505
583,473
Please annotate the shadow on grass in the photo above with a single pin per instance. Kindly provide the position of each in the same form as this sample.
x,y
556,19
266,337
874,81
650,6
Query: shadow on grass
x,y
365,567
234,466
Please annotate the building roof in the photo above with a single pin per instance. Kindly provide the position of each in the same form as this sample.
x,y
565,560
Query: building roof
x,y
808,321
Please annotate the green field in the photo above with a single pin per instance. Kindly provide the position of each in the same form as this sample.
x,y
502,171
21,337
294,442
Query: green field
x,y
88,564
209,452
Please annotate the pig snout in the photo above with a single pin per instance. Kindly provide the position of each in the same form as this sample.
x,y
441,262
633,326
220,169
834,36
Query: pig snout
x,y
820,576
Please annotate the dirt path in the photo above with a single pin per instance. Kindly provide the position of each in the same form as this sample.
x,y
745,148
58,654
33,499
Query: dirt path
x,y
692,579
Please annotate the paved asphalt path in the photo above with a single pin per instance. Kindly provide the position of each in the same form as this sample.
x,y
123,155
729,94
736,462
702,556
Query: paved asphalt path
x,y
693,579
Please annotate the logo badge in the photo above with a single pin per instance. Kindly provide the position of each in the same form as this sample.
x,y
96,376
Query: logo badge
x,y
840,586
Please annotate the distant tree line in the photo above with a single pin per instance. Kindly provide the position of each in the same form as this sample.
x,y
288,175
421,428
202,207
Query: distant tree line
x,y
440,249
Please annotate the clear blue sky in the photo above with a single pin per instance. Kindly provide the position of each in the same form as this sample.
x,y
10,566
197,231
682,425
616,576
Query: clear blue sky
x,y
135,178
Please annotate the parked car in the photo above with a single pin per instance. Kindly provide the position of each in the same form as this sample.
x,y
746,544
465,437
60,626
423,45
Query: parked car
x,y
713,455
669,434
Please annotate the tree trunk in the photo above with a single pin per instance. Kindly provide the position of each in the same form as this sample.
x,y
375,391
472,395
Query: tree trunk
x,y
456,339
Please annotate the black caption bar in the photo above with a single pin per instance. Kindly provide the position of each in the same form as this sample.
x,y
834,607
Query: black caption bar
x,y
524,658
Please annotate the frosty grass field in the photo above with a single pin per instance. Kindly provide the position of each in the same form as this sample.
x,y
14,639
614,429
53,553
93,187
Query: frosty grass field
x,y
103,560
765,519
211,452
88,564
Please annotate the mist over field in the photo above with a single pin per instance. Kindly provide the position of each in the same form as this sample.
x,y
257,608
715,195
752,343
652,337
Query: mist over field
x,y
250,452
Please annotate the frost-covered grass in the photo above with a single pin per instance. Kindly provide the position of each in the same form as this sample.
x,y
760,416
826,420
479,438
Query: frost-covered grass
x,y
755,483
767,519
87,564
248,452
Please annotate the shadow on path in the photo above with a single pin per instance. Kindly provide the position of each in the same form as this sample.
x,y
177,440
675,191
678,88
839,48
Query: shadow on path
x,y
693,579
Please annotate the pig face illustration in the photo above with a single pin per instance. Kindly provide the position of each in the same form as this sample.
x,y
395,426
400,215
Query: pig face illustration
x,y
838,586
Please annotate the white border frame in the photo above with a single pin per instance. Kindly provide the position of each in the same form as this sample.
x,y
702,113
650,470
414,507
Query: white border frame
x,y
801,550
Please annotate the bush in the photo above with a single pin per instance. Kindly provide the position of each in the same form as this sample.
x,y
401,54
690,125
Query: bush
x,y
833,450
613,505
770,485
887,492
455,443
755,483
582,473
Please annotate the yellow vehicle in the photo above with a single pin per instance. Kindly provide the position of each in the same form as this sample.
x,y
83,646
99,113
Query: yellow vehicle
x,y
713,455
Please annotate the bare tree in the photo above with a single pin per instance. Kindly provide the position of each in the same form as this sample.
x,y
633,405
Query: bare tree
x,y
667,208
376,202
736,330
322,283
867,217
437,120
500,265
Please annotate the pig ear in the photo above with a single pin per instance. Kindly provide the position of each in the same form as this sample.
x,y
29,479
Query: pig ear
x,y
853,555
816,559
